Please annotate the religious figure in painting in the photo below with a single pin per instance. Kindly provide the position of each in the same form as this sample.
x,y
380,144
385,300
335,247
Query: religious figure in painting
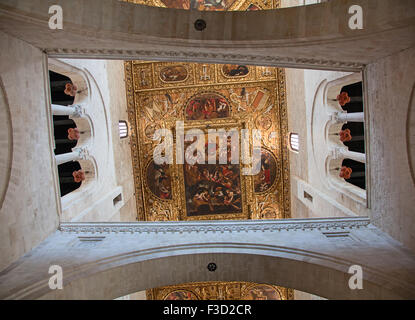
x,y
213,188
159,180
234,70
207,106
266,177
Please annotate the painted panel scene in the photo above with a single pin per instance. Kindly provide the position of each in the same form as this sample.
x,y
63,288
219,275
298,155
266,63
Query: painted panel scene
x,y
212,188
159,180
207,106
266,177
234,70
173,74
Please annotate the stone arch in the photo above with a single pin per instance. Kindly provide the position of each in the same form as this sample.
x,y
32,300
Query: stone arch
x,y
135,33
109,260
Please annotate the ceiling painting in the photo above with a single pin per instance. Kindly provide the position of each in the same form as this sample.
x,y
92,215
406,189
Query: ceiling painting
x,y
220,291
206,98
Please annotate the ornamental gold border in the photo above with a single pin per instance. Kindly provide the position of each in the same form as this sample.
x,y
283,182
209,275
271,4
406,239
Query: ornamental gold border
x,y
282,102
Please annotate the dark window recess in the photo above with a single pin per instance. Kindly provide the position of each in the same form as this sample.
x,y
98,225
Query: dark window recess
x,y
357,144
61,124
355,92
308,196
117,199
66,180
358,176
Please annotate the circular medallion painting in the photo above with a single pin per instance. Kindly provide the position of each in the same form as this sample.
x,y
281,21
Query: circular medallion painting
x,y
181,295
261,292
159,180
267,175
207,106
173,74
263,122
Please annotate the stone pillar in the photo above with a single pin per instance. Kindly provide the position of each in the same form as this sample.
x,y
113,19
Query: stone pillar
x,y
75,110
344,117
344,153
76,154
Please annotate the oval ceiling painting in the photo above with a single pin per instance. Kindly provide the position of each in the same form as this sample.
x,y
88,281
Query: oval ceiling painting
x,y
234,70
181,295
265,179
207,106
159,180
173,74
261,292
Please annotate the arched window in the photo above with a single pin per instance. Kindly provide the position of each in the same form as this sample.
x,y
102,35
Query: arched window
x,y
357,176
123,127
294,142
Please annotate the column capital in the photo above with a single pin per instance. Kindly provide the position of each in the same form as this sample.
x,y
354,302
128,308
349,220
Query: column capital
x,y
339,117
83,152
338,152
79,110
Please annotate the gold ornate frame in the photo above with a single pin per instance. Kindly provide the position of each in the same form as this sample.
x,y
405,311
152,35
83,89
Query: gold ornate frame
x,y
274,203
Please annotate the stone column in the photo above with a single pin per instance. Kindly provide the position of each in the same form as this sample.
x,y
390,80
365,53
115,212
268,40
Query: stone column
x,y
344,153
75,110
76,154
344,117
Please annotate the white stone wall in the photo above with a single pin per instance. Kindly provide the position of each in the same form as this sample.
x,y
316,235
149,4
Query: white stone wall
x,y
392,183
30,211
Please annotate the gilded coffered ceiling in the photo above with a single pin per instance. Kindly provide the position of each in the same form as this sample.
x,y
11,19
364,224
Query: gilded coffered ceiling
x,y
205,97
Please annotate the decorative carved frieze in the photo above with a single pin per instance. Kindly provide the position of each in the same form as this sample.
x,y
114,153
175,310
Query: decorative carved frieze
x,y
205,57
217,226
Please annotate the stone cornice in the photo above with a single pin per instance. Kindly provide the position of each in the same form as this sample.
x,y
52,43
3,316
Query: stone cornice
x,y
216,226
205,57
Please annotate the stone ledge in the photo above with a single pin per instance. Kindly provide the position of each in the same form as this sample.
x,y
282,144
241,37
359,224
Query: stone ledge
x,y
216,226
